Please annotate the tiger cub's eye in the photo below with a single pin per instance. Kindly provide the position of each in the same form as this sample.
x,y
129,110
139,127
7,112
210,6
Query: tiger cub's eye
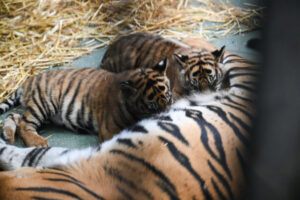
x,y
207,71
151,96
196,73
162,88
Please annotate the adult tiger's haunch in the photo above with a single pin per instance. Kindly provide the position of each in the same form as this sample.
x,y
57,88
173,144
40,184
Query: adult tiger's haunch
x,y
88,99
195,150
189,69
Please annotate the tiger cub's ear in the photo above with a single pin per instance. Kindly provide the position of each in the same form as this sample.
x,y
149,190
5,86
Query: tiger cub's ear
x,y
161,66
181,59
219,53
128,89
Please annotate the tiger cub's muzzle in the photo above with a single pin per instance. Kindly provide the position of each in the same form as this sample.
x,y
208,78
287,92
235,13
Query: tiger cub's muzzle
x,y
162,103
204,82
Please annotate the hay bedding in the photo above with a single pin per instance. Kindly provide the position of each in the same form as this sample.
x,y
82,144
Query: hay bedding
x,y
41,34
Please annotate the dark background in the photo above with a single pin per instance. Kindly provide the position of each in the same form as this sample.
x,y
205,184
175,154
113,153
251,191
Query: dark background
x,y
274,171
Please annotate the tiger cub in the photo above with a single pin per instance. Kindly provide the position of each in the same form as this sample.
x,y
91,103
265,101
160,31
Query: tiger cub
x,y
89,99
189,69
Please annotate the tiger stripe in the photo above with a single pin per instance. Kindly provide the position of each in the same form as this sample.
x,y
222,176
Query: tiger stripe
x,y
174,130
154,170
50,190
96,196
184,161
222,180
127,182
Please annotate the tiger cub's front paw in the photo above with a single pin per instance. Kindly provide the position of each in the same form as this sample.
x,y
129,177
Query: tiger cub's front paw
x,y
35,140
8,135
9,127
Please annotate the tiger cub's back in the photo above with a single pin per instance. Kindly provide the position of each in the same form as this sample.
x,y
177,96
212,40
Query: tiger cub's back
x,y
138,50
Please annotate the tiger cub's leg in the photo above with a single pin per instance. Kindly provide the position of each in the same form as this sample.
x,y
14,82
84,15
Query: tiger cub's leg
x,y
29,135
32,119
9,127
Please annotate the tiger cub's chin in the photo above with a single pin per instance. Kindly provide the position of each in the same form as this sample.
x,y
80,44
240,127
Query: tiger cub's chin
x,y
87,100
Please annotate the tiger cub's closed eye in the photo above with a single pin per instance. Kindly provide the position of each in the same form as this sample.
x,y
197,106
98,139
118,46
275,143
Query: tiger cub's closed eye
x,y
207,71
162,88
151,96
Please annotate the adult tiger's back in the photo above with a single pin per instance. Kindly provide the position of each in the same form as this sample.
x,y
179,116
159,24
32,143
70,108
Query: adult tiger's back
x,y
188,69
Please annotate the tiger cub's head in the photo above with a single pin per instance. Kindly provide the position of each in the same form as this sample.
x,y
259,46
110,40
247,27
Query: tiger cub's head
x,y
148,89
200,69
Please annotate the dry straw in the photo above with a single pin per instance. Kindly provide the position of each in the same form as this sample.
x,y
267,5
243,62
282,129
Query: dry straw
x,y
40,34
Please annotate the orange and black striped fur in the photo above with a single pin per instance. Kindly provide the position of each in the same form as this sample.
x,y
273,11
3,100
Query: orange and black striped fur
x,y
188,69
89,100
196,150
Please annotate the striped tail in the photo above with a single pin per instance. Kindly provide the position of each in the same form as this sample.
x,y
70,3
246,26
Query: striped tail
x,y
13,101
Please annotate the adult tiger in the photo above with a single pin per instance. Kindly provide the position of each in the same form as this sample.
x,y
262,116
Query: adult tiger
x,y
88,100
196,150
189,69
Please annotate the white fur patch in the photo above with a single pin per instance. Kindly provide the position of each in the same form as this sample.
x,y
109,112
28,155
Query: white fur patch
x,y
4,106
179,43
161,63
10,102
69,158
